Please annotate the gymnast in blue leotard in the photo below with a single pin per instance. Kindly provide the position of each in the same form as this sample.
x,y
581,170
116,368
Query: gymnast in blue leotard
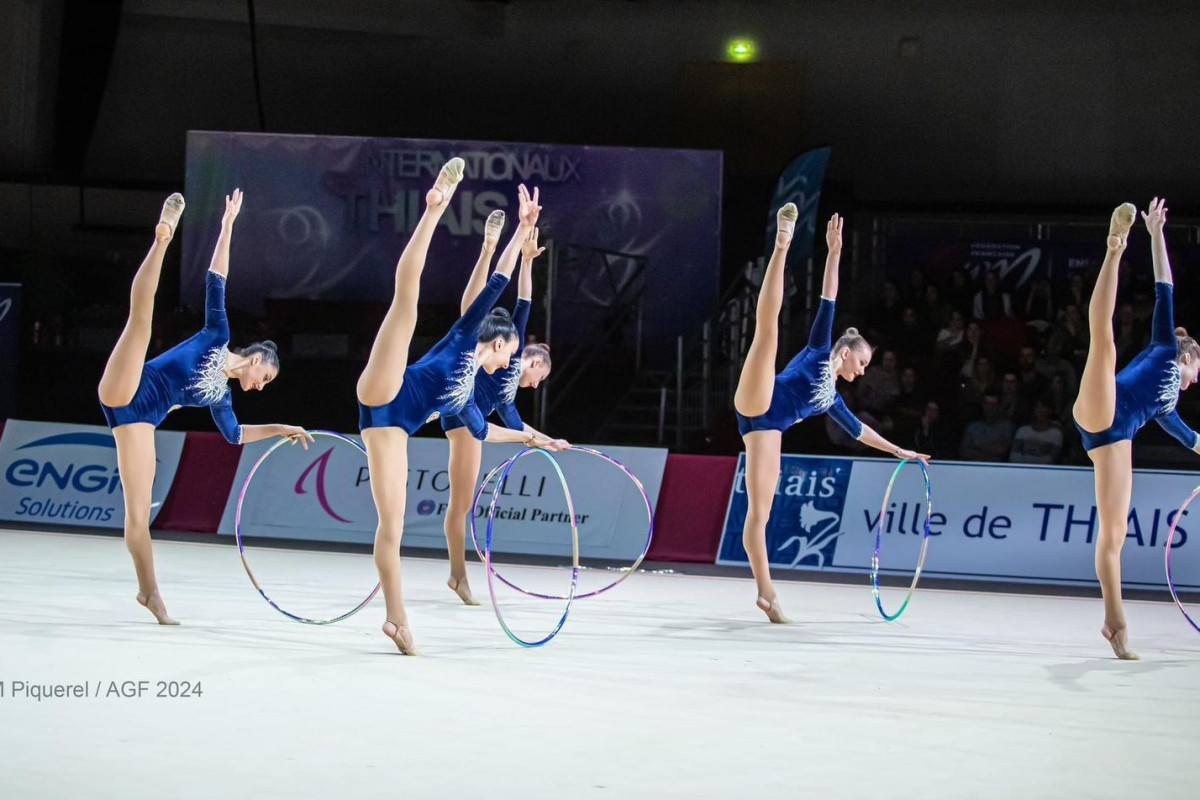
x,y
136,395
394,401
496,392
768,404
1111,409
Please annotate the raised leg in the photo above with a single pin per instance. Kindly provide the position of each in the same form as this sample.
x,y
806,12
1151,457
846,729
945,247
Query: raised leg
x,y
387,460
1096,404
381,378
135,462
123,372
757,381
1114,490
465,454
762,476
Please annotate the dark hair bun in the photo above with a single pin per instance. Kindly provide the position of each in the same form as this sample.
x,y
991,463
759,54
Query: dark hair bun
x,y
502,313
269,345
1181,331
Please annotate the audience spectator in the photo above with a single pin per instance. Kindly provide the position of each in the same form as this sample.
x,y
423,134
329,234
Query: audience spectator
x,y
987,439
931,435
1039,305
880,385
990,302
1012,404
1039,442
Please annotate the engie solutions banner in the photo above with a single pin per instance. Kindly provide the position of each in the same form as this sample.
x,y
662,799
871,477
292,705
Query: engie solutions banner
x,y
1022,523
67,474
324,494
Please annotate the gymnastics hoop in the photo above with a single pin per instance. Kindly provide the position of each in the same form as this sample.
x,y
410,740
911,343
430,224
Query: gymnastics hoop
x,y
487,552
237,532
879,541
626,572
1170,537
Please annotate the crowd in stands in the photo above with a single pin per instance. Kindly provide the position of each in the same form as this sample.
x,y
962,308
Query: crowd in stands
x,y
964,369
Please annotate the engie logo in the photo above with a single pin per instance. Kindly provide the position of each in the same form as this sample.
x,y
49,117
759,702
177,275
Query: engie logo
x,y
55,473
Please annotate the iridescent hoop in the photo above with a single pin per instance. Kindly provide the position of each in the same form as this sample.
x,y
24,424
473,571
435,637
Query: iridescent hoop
x,y
625,572
1170,537
879,541
487,551
237,531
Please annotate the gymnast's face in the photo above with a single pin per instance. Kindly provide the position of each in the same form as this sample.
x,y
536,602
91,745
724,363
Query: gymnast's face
x,y
497,354
257,375
855,361
533,371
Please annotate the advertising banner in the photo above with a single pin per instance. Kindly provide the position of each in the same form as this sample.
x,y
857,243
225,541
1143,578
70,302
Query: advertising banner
x,y
990,522
324,494
327,217
67,474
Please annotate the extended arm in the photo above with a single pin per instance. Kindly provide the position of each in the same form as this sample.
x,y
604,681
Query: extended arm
x,y
833,238
220,258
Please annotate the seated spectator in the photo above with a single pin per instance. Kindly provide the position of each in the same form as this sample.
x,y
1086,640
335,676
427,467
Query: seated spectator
x,y
932,311
973,349
981,384
885,315
1012,405
1033,383
1039,305
1039,442
931,435
909,342
908,406
878,387
1053,363
990,302
987,439
959,293
1073,330
952,336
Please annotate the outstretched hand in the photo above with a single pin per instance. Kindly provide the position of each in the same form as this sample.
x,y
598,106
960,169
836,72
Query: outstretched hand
x,y
833,233
233,206
529,247
294,433
911,454
1156,217
529,208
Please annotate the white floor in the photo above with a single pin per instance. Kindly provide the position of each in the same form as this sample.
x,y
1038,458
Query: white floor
x,y
668,687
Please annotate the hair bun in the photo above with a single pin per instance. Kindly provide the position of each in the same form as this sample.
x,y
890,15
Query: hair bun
x,y
1181,331
267,343
501,312
851,332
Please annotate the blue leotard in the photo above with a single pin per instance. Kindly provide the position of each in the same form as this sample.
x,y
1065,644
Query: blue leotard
x,y
1148,387
192,373
497,392
442,381
806,386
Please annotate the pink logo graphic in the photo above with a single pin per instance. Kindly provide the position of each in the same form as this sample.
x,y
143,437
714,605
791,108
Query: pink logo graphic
x,y
320,464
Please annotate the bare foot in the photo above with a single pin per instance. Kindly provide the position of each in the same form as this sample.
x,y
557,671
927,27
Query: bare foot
x,y
168,220
463,589
1118,227
155,605
1118,638
447,180
773,610
401,636
785,223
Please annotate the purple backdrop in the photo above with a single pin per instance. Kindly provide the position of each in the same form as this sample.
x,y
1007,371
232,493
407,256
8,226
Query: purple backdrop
x,y
327,217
